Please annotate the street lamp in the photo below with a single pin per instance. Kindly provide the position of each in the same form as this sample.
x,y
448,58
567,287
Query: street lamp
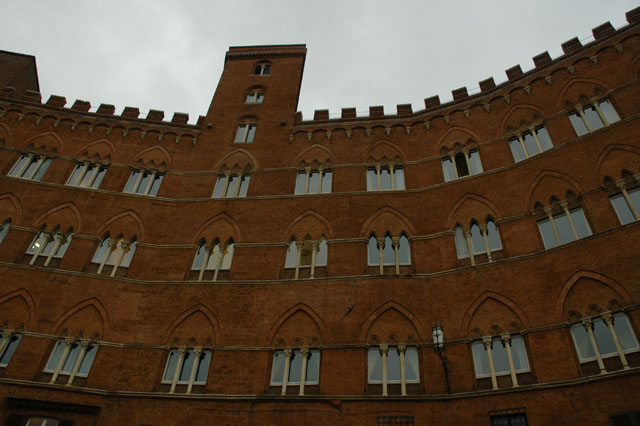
x,y
438,346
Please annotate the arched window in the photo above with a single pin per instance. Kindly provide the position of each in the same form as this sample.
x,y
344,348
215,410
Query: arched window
x,y
388,251
117,253
478,239
255,96
460,164
625,197
246,132
385,177
589,118
262,68
232,185
303,368
313,181
531,142
216,257
306,254
49,245
500,356
562,223
30,166
393,364
187,366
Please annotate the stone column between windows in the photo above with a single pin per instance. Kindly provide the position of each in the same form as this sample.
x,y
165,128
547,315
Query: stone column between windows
x,y
48,239
83,172
176,373
94,175
467,236
40,160
384,350
138,180
396,245
205,261
565,208
485,236
83,350
123,248
194,370
307,172
608,319
154,173
584,118
549,212
465,151
298,258
506,341
452,157
320,173
111,244
60,239
225,185
285,374
7,334
236,190
488,346
63,358
403,375
524,148
535,138
220,260
380,254
621,186
378,171
594,102
304,352
393,186
588,325
24,165
314,252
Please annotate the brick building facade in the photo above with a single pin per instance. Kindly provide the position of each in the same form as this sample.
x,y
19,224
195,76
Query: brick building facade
x,y
474,262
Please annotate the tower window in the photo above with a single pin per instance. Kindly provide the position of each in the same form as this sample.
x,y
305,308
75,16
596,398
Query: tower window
x,y
385,177
461,164
255,96
310,181
87,175
589,118
246,132
532,142
144,182
30,167
262,69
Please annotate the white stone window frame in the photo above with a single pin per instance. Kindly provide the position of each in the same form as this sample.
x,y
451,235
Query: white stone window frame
x,y
395,242
471,253
621,186
597,105
467,153
520,136
551,217
58,241
22,168
608,318
224,251
393,169
84,345
303,179
224,180
305,353
505,339
119,244
7,339
4,229
196,352
254,96
93,172
315,248
383,350
136,181
246,132
262,69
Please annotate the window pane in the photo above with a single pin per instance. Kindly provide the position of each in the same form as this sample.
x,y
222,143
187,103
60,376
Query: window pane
x,y
170,369
411,365
461,243
474,159
56,354
548,235
217,192
398,177
91,168
622,209
516,149
295,367
101,252
40,240
580,222
375,365
313,367
544,138
327,178
71,358
200,254
10,349
530,143
578,124
306,253
87,361
393,365
603,337
259,97
372,180
155,186
214,257
609,113
31,169
519,354
266,69
582,341
500,360
251,133
388,254
493,236
203,367
228,257
403,251
480,359
314,180
277,369
42,170
292,254
4,230
477,240
19,164
244,185
142,188
593,118
130,250
448,170
132,181
321,255
240,134
187,366
634,195
385,179
75,175
626,338
461,165
231,189
372,249
301,179
99,177
49,243
62,249
251,97
564,228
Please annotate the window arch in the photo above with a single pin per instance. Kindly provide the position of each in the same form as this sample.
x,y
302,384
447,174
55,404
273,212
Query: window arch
x,y
114,252
49,245
477,239
306,254
211,259
388,251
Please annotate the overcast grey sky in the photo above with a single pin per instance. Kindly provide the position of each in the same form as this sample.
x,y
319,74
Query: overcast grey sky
x,y
168,54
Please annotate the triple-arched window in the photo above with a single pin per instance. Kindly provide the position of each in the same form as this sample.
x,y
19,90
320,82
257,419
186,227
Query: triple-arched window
x,y
49,245
307,253
116,252
478,239
212,258
388,251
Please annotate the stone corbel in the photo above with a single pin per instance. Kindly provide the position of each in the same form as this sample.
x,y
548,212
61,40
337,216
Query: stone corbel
x,y
348,133
408,130
329,135
572,70
594,59
309,136
388,131
446,119
20,117
74,126
56,123
467,113
427,125
620,48
368,132
487,107
548,79
507,99
527,89
39,120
